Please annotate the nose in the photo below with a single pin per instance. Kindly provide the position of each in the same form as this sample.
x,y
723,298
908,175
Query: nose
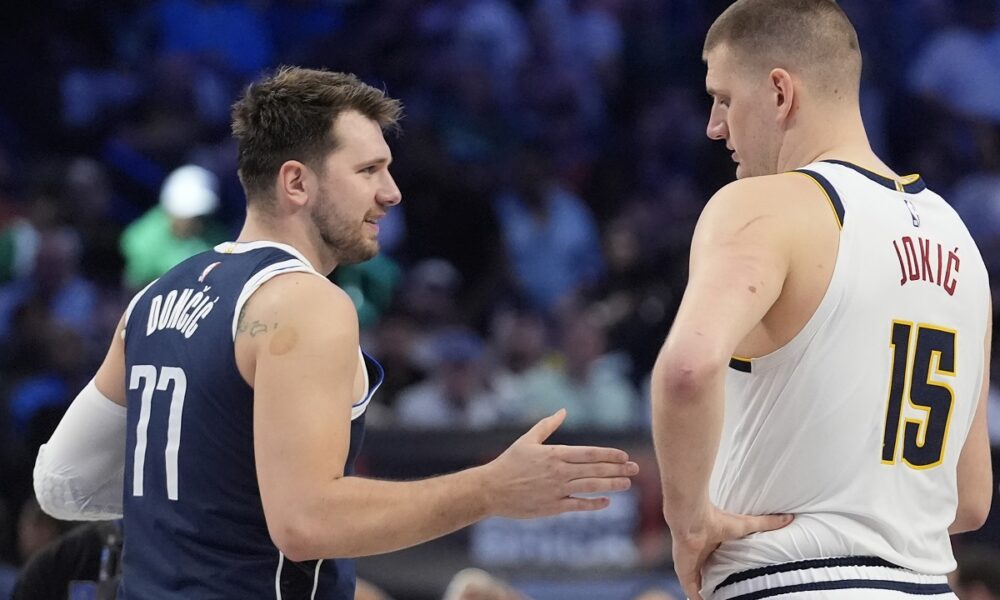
x,y
717,128
388,193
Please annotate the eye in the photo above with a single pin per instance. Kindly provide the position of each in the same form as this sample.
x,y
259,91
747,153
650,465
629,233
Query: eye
x,y
369,170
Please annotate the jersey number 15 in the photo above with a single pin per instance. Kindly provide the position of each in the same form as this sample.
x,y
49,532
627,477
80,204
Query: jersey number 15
x,y
933,353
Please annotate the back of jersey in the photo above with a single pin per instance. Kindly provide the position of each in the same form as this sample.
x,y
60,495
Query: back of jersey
x,y
194,525
856,425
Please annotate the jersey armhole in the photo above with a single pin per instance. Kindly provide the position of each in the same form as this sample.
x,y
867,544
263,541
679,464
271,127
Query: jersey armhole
x,y
131,307
836,204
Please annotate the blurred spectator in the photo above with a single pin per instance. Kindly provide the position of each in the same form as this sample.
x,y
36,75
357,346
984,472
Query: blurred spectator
x,y
370,285
656,594
227,34
976,197
978,573
476,584
176,229
520,341
82,563
18,245
458,393
635,302
395,341
54,283
430,293
958,68
55,379
549,234
90,205
8,572
35,529
592,386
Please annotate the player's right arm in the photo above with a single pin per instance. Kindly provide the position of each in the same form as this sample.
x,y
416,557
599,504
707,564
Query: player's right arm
x,y
975,473
79,472
298,344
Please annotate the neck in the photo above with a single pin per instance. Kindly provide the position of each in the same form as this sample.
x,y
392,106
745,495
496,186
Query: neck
x,y
289,232
829,133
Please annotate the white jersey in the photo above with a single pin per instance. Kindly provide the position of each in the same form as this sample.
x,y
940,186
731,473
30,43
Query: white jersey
x,y
856,425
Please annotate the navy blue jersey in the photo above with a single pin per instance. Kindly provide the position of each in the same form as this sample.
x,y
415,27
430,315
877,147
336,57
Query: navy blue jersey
x,y
194,526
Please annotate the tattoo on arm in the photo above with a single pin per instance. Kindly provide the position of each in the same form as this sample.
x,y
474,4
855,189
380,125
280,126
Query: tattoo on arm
x,y
254,327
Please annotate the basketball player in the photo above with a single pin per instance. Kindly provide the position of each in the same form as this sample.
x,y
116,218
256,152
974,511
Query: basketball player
x,y
824,382
246,388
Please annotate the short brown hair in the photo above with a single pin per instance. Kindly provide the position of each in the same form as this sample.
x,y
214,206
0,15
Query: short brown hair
x,y
812,37
289,116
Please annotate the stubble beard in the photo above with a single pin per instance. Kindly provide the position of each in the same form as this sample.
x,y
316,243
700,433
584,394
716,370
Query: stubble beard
x,y
344,238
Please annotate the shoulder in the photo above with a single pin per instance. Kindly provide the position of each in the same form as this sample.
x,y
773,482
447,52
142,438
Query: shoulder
x,y
764,192
303,297
763,202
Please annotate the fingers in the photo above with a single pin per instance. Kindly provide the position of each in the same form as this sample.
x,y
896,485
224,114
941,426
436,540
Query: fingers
x,y
690,580
692,590
544,428
572,504
582,470
598,485
745,525
590,454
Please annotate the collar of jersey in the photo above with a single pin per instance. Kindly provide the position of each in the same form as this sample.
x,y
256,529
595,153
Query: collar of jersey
x,y
241,247
910,184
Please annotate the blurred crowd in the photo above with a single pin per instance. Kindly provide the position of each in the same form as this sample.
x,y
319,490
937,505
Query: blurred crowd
x,y
553,164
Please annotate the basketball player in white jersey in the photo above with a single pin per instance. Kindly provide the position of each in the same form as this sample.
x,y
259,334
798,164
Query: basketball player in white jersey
x,y
819,403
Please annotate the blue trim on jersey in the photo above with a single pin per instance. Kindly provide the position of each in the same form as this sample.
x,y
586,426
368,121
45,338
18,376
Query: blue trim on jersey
x,y
915,589
913,187
740,364
831,192
801,565
374,368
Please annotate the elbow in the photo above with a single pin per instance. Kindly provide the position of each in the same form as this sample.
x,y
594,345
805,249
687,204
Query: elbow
x,y
300,539
51,493
293,539
970,517
680,375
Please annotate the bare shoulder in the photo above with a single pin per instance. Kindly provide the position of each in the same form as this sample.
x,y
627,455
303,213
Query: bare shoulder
x,y
306,300
760,195
765,205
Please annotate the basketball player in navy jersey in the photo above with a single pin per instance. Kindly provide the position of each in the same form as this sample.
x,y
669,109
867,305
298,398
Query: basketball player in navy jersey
x,y
246,387
819,403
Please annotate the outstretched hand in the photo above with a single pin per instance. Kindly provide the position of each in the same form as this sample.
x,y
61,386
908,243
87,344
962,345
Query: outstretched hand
x,y
692,549
531,479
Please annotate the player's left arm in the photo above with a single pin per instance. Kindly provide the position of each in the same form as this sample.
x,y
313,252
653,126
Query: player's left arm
x,y
975,471
79,472
740,258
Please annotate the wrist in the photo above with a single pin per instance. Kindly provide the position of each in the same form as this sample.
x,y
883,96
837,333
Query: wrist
x,y
687,521
482,491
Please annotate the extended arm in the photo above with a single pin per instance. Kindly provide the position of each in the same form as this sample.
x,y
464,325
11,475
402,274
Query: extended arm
x,y
303,374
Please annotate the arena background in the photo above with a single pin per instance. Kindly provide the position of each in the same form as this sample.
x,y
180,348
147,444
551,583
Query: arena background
x,y
553,163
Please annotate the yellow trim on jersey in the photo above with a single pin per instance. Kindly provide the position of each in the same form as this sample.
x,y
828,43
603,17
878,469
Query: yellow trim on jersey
x,y
833,207
908,179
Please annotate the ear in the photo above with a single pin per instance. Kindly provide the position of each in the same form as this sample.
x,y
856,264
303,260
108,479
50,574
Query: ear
x,y
294,182
783,89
